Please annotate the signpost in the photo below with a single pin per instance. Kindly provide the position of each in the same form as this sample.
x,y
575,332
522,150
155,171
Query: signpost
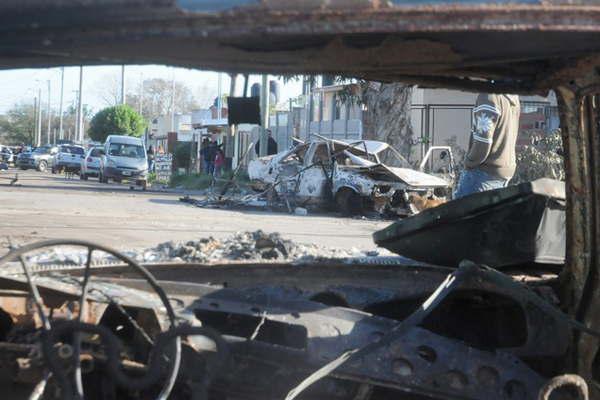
x,y
163,165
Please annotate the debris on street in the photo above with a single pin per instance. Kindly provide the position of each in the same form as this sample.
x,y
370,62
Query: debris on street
x,y
242,246
332,175
254,246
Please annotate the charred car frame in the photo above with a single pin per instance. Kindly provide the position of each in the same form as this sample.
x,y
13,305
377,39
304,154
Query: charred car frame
x,y
352,175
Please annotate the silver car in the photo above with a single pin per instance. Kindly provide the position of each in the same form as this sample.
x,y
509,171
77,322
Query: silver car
x,y
90,165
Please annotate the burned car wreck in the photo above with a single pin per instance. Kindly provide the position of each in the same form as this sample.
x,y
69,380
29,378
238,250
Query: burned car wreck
x,y
352,175
354,331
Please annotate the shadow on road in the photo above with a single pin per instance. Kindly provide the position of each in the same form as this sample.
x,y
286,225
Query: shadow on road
x,y
67,186
165,201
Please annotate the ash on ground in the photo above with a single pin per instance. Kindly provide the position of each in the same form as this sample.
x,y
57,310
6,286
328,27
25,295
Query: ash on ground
x,y
243,246
251,246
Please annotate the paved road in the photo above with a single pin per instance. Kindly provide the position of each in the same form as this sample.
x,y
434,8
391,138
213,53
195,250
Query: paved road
x,y
50,206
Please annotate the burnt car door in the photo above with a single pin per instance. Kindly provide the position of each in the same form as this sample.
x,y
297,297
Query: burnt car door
x,y
314,181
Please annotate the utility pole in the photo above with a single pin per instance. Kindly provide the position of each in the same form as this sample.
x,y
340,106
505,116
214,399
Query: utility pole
x,y
123,84
49,115
79,124
173,104
60,107
39,118
141,95
35,106
219,94
235,137
264,111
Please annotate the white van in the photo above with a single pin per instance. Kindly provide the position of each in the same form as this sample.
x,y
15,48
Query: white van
x,y
124,159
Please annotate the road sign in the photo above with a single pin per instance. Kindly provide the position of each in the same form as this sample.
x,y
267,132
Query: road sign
x,y
163,166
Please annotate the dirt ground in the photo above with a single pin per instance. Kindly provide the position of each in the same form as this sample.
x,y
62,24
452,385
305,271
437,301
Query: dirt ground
x,y
44,206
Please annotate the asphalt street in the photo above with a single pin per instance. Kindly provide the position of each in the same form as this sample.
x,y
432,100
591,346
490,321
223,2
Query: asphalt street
x,y
43,206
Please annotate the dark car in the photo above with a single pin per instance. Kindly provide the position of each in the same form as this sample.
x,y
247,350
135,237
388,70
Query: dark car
x,y
6,155
39,158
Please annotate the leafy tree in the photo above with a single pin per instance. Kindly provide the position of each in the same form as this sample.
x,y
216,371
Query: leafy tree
x,y
116,120
156,95
386,109
18,125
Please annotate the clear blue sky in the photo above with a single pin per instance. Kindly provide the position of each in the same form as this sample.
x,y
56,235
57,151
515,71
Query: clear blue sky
x,y
22,85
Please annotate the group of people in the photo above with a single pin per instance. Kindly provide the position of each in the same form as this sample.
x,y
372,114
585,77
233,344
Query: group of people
x,y
213,157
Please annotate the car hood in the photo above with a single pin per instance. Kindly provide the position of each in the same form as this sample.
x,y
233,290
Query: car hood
x,y
409,176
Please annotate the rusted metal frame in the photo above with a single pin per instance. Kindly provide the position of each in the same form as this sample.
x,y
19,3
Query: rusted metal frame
x,y
587,311
298,20
518,87
580,281
579,232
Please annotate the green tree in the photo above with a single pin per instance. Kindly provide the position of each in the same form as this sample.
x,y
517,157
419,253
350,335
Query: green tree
x,y
117,120
18,125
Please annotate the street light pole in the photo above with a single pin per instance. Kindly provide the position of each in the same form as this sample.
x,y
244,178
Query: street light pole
x,y
264,110
80,107
49,116
39,118
123,84
60,107
35,115
173,104
141,105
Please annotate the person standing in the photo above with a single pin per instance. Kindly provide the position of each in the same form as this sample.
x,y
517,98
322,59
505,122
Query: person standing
x,y
211,153
491,160
271,145
204,155
150,155
219,162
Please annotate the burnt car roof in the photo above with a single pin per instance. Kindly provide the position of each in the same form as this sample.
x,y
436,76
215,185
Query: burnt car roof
x,y
437,43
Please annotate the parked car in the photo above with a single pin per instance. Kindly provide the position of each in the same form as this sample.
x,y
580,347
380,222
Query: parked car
x,y
68,158
90,165
6,155
351,175
124,158
39,158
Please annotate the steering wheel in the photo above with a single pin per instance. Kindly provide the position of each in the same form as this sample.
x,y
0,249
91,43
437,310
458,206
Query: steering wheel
x,y
52,333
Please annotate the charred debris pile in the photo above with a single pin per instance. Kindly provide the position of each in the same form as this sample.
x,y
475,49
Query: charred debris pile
x,y
242,246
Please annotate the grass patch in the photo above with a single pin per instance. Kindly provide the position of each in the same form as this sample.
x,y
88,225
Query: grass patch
x,y
204,181
191,182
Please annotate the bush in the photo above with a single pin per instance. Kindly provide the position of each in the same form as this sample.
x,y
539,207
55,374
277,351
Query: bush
x,y
182,155
117,120
541,159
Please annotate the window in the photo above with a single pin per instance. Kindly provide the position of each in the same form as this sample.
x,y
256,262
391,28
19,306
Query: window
x,y
126,150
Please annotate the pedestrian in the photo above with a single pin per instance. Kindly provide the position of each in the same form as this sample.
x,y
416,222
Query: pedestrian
x,y
219,162
204,155
150,155
211,154
271,145
490,162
